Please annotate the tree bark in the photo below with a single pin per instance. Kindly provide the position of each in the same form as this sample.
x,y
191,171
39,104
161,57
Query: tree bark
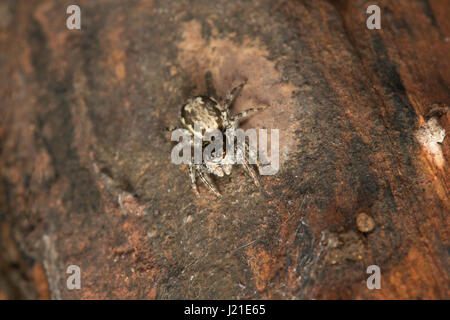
x,y
86,176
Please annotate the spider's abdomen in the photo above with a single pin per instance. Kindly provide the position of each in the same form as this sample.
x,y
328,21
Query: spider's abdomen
x,y
203,110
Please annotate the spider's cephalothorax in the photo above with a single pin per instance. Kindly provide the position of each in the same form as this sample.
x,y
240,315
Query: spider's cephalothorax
x,y
212,115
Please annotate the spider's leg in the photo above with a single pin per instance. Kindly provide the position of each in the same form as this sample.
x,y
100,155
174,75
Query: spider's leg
x,y
192,175
251,172
210,90
232,95
209,183
254,154
247,113
248,167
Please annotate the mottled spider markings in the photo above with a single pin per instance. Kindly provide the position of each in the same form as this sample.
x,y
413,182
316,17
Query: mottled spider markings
x,y
215,115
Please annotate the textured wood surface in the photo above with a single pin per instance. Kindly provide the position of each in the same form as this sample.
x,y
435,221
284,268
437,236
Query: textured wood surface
x,y
86,177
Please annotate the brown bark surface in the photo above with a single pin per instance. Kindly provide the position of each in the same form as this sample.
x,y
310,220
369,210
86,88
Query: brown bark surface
x,y
85,171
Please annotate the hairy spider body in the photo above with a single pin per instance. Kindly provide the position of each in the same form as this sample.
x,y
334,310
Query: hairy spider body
x,y
212,115
204,110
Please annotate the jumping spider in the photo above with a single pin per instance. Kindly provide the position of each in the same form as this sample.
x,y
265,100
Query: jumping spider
x,y
213,114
